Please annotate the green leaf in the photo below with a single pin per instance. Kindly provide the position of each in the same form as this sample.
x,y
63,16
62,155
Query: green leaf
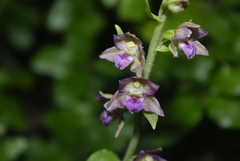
x,y
163,48
152,118
168,34
148,10
103,155
118,29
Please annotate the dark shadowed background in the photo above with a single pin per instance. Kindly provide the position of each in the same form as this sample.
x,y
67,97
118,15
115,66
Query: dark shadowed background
x,y
50,75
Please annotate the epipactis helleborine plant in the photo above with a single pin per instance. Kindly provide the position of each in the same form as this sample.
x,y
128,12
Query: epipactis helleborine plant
x,y
135,94
185,38
127,50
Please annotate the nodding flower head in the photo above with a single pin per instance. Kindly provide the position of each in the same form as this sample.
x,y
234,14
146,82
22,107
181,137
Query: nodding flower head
x,y
127,50
185,38
106,117
135,94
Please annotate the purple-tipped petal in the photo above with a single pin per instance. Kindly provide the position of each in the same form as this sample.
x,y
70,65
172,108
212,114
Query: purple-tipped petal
x,y
121,40
149,154
181,33
201,50
149,87
134,103
134,39
117,101
197,33
125,84
109,53
188,49
122,61
152,105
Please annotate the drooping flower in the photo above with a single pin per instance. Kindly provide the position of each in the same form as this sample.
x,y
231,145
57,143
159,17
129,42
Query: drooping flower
x,y
127,50
106,117
185,38
149,155
135,94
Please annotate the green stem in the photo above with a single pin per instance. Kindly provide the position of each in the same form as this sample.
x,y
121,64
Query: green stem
x,y
146,72
156,37
135,137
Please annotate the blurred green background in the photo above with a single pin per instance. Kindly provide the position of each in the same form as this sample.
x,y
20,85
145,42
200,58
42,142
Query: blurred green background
x,y
50,75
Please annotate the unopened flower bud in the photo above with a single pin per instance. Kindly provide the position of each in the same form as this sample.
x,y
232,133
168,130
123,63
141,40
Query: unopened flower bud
x,y
177,6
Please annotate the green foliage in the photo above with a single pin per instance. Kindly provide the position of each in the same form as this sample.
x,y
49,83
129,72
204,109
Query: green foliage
x,y
152,119
103,155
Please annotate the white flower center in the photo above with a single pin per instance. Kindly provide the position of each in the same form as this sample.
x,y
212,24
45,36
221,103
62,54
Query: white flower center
x,y
130,48
147,158
136,88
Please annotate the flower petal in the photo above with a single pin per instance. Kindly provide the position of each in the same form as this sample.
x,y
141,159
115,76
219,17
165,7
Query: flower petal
x,y
173,49
137,66
149,154
106,117
121,61
149,87
121,40
197,33
134,106
181,33
201,50
124,84
189,24
188,48
117,101
152,105
109,53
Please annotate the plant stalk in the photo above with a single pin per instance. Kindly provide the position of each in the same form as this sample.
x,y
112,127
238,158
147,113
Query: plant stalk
x,y
156,37
135,137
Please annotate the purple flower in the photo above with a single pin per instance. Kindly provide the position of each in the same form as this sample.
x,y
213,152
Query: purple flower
x,y
185,38
127,50
135,94
149,155
106,117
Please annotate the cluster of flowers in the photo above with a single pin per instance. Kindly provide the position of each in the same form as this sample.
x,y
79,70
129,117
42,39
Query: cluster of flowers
x,y
137,93
134,93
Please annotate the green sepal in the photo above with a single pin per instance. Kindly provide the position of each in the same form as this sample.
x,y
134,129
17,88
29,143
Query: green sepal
x,y
119,128
163,48
103,155
152,118
150,14
118,29
168,34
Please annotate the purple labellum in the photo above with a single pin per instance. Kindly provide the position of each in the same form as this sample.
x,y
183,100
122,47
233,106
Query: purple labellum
x,y
134,103
122,60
